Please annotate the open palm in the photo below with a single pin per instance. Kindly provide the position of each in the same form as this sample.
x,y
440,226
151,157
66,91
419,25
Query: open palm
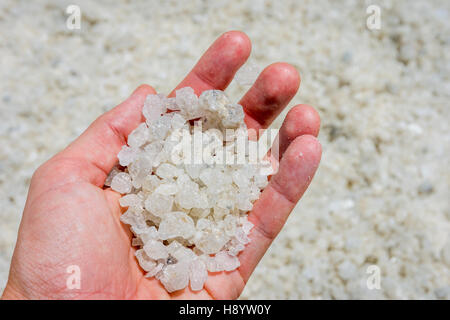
x,y
70,219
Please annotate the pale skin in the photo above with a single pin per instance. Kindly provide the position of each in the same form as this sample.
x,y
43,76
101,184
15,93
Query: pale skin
x,y
71,219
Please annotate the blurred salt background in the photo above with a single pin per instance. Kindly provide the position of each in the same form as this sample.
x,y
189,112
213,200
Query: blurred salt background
x,y
381,194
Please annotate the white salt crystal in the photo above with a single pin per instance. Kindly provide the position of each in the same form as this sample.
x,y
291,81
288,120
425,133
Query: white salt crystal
x,y
246,226
161,127
235,247
193,170
175,276
154,270
152,151
234,116
173,247
130,200
176,224
145,262
139,169
177,121
210,262
111,175
243,202
241,236
150,183
197,274
149,234
154,108
226,262
203,224
156,250
167,171
159,204
187,101
181,253
167,189
213,102
211,242
135,220
138,136
171,104
121,183
240,179
127,155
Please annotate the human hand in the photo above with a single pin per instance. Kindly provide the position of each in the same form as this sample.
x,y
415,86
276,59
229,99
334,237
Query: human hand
x,y
71,219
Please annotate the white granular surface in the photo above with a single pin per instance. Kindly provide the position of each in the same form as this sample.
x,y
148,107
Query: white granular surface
x,y
381,194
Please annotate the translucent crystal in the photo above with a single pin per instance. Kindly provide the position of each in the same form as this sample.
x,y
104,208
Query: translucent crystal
x,y
139,169
240,179
159,204
197,274
246,225
154,270
181,253
214,102
152,152
148,234
145,262
167,171
171,104
177,121
167,189
175,276
156,250
111,175
121,183
154,108
150,183
173,247
131,200
241,236
135,220
243,202
161,127
176,224
127,155
187,196
226,262
234,116
211,242
235,247
138,136
187,102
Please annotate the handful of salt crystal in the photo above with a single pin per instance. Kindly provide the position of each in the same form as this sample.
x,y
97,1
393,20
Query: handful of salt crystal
x,y
186,192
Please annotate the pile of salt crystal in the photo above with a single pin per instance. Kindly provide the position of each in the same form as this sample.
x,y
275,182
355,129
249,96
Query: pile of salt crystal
x,y
187,217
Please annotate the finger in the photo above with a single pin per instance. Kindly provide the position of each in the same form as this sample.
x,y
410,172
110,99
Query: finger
x,y
297,168
99,145
217,66
273,89
300,120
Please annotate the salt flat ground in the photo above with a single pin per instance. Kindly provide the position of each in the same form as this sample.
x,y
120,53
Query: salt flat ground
x,y
381,194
